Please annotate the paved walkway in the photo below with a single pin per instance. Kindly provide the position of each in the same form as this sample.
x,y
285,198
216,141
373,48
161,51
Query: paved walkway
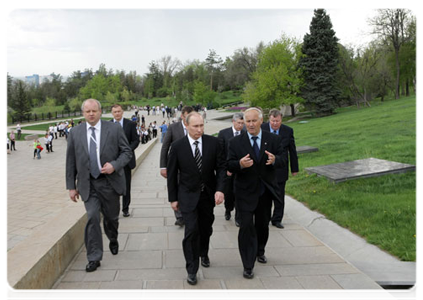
x,y
151,254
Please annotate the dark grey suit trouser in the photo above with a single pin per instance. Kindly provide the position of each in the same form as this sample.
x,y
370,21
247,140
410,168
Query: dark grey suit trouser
x,y
103,198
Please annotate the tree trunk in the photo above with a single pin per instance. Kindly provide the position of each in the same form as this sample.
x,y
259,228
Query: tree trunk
x,y
407,88
292,110
415,87
397,90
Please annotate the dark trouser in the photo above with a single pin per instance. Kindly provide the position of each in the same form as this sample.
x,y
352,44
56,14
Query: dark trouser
x,y
254,231
47,147
279,208
126,199
230,198
103,198
12,145
198,230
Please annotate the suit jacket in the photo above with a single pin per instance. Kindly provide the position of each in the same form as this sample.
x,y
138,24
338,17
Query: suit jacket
x,y
224,136
288,142
173,133
247,180
183,177
130,129
114,149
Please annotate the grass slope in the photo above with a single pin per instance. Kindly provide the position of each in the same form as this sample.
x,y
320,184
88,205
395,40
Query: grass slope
x,y
380,209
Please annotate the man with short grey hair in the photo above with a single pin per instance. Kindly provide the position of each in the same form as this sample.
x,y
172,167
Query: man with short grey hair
x,y
282,174
224,136
97,152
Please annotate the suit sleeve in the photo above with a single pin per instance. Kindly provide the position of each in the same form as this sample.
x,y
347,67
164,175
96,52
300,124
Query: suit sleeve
x,y
165,148
280,153
220,168
293,157
232,158
135,140
70,164
125,152
172,176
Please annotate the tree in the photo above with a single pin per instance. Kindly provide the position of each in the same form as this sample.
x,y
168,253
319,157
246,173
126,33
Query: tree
x,y
320,63
214,64
392,26
277,80
19,100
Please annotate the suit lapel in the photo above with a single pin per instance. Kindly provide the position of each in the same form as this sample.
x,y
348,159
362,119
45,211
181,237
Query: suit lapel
x,y
247,145
84,137
104,134
191,159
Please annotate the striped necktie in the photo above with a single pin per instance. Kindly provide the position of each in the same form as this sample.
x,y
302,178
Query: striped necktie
x,y
198,158
95,172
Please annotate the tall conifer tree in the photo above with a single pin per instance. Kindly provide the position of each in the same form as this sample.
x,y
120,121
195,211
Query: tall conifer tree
x,y
319,65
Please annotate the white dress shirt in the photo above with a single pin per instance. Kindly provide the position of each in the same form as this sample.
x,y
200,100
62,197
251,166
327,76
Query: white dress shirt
x,y
97,137
200,145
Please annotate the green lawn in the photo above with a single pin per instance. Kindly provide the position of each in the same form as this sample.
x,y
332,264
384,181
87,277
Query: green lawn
x,y
380,209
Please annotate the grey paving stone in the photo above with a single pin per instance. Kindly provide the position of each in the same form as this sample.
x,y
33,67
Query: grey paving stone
x,y
355,281
100,275
225,257
306,149
236,272
152,274
130,225
361,168
166,290
133,260
204,290
224,239
147,241
175,239
246,289
147,212
174,259
300,238
319,282
277,240
302,255
128,290
316,269
75,291
285,288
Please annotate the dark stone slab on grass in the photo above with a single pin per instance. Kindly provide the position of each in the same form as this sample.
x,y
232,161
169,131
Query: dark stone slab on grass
x,y
361,168
306,149
31,137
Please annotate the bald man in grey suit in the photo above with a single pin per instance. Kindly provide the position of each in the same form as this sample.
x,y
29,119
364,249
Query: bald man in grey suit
x,y
96,155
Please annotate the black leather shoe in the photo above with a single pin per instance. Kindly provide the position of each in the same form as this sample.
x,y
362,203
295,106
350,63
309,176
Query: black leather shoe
x,y
262,259
126,214
205,261
92,266
192,279
278,225
227,215
180,222
248,273
237,224
114,247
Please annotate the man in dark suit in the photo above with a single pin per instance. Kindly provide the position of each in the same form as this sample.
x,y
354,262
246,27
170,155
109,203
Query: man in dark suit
x,y
253,158
97,152
130,129
195,182
288,143
224,136
174,132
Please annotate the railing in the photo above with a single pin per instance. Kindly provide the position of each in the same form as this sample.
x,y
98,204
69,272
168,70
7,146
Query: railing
x,y
46,116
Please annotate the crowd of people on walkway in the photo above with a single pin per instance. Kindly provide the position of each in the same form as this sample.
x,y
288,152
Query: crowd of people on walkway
x,y
245,167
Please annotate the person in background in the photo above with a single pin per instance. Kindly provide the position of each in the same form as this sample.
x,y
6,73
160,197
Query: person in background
x,y
163,129
12,141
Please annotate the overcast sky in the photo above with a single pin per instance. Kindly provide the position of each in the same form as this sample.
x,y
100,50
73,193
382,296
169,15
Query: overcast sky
x,y
43,41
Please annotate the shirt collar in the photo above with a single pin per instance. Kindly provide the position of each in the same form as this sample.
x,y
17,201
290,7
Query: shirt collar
x,y
97,126
258,135
191,140
120,122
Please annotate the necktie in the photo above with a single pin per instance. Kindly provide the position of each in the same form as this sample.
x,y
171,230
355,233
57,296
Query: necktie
x,y
95,172
236,133
197,157
199,161
255,147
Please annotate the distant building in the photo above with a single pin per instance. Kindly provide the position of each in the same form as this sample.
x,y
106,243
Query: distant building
x,y
33,80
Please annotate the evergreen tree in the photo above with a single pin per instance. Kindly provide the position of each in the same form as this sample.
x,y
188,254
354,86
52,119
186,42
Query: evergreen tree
x,y
320,64
19,100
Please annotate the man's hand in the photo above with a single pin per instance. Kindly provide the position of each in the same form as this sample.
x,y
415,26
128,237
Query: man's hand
x,y
270,158
219,197
74,195
246,161
174,205
107,168
228,173
163,172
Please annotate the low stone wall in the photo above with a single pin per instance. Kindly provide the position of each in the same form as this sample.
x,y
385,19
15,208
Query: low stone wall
x,y
41,259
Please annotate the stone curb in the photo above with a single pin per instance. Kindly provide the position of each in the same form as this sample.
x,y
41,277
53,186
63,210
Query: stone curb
x,y
40,260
